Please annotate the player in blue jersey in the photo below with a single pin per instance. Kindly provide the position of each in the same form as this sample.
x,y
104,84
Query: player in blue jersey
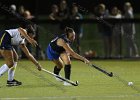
x,y
59,51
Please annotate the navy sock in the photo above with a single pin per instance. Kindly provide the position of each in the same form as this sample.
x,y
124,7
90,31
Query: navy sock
x,y
56,70
67,70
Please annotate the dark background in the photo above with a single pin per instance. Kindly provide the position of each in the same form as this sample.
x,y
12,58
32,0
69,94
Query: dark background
x,y
42,7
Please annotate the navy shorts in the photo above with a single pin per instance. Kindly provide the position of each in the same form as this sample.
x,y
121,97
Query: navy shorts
x,y
51,54
5,41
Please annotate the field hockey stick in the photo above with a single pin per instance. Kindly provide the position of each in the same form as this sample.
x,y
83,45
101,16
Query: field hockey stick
x,y
101,70
117,77
64,79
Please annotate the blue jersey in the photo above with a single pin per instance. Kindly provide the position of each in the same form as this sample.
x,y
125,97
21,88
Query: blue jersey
x,y
53,50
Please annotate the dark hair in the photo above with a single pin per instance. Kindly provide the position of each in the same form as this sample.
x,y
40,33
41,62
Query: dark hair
x,y
68,30
30,29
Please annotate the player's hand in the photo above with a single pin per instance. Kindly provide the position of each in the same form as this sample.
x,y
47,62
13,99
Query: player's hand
x,y
86,61
39,67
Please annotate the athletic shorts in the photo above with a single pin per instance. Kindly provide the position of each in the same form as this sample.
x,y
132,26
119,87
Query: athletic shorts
x,y
51,54
5,41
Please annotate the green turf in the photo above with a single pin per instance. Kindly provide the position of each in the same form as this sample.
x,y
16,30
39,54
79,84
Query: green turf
x,y
93,85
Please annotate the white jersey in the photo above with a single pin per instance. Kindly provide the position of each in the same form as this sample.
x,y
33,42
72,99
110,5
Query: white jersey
x,y
16,37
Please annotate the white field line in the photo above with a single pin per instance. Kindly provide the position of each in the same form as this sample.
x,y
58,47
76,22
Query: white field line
x,y
71,97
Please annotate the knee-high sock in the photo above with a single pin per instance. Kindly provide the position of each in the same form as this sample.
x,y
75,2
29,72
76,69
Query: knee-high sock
x,y
67,70
11,72
56,70
3,69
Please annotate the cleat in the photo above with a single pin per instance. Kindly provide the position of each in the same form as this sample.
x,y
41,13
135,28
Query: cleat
x,y
13,83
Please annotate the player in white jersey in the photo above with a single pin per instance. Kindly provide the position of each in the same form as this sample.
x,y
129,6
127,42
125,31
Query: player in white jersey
x,y
11,37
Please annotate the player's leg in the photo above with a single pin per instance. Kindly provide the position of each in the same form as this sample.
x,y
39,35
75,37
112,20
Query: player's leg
x,y
59,66
8,56
11,71
66,59
53,56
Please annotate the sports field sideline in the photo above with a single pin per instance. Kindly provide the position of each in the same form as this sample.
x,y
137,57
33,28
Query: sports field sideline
x,y
93,85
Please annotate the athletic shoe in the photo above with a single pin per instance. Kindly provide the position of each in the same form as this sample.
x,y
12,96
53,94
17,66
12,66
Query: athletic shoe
x,y
58,79
67,84
13,83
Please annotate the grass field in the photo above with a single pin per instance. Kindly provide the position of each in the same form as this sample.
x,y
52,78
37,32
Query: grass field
x,y
93,85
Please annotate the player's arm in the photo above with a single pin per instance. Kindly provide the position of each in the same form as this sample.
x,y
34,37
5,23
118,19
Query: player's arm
x,y
27,37
30,56
62,43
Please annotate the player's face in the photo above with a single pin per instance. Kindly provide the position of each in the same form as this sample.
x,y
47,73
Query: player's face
x,y
71,36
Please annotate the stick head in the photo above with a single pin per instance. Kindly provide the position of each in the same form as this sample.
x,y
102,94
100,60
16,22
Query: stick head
x,y
111,74
76,83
